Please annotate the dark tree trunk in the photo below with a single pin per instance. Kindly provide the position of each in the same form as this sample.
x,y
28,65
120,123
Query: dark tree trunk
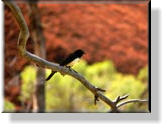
x,y
39,49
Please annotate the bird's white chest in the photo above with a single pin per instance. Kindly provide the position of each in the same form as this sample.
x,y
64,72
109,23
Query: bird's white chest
x,y
74,62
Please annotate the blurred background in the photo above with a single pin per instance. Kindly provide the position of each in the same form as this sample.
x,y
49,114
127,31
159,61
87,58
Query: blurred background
x,y
114,37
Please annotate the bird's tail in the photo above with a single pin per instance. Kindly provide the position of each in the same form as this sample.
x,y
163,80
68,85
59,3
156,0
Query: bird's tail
x,y
52,73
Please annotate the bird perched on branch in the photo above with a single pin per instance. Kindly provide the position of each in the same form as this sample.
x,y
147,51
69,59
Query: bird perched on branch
x,y
71,59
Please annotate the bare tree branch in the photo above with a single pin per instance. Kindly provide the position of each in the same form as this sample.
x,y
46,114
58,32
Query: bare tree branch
x,y
130,101
22,40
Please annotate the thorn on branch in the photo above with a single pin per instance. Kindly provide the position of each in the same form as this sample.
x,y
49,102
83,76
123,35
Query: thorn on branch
x,y
117,99
96,96
99,89
96,99
120,98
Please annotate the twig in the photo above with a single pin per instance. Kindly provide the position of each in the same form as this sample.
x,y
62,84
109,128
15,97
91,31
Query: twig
x,y
120,98
130,101
22,40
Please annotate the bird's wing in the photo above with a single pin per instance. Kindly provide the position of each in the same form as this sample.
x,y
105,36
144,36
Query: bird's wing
x,y
70,58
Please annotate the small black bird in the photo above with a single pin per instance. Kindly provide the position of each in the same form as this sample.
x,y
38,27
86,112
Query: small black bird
x,y
72,59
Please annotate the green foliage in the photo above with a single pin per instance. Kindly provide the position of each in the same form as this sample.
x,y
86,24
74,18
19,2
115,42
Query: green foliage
x,y
143,74
66,94
8,106
126,84
28,77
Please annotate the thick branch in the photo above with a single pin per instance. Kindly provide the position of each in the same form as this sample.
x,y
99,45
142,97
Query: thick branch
x,y
24,34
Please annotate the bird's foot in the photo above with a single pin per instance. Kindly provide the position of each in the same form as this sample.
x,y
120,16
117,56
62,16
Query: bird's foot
x,y
69,68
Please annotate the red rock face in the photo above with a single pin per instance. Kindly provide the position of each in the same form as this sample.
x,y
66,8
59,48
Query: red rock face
x,y
118,32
